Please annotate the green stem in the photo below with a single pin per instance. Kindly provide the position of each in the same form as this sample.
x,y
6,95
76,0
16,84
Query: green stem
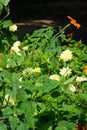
x,y
62,30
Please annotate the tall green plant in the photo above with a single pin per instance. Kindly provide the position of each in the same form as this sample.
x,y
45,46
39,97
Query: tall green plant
x,y
6,37
42,84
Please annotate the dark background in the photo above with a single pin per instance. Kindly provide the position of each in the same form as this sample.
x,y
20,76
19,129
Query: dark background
x,y
56,10
50,9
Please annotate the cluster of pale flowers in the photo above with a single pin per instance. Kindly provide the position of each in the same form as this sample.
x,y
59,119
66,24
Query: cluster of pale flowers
x,y
15,48
81,78
72,88
63,72
16,45
55,77
30,70
66,55
66,71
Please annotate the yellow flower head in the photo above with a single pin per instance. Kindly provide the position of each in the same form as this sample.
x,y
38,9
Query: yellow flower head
x,y
37,70
13,28
55,77
1,68
9,99
81,78
25,48
15,48
65,71
66,55
72,88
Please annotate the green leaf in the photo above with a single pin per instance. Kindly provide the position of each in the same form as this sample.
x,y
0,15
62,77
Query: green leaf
x,y
83,96
22,95
5,2
46,126
6,74
70,80
1,8
2,126
15,77
66,124
49,86
7,111
42,32
22,126
13,122
6,23
4,58
61,128
29,110
73,109
30,121
27,85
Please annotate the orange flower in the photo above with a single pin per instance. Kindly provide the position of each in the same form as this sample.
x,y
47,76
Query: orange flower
x,y
0,54
85,69
73,21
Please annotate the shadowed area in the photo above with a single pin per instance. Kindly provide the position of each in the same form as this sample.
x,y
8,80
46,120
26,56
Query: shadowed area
x,y
33,14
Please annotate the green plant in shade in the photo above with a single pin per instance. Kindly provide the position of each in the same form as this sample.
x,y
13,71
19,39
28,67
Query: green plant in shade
x,y
6,36
43,83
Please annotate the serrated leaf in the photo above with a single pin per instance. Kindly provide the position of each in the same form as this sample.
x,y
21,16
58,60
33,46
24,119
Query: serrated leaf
x,y
61,128
6,74
27,85
6,23
7,111
13,122
70,80
83,96
1,8
22,126
2,126
67,125
29,109
5,2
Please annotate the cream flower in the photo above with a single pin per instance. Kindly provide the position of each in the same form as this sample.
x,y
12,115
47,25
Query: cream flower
x,y
37,70
27,71
15,47
72,88
13,28
65,71
1,68
20,79
17,44
25,48
81,78
16,50
66,55
55,77
9,99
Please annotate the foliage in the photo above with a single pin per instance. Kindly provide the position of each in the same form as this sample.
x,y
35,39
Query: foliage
x,y
42,83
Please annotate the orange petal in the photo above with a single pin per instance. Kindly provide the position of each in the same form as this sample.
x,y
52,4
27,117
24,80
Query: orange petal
x,y
73,21
0,54
85,71
78,25
85,67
